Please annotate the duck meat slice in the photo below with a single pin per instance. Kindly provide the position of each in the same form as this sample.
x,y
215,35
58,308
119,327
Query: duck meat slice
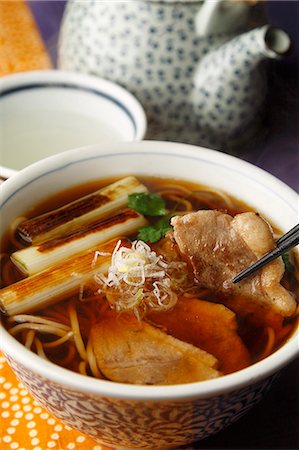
x,y
210,326
220,246
138,353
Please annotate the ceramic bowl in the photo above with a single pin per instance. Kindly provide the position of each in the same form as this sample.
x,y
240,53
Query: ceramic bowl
x,y
46,112
147,417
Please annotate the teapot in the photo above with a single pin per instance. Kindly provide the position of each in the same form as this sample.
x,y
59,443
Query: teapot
x,y
195,66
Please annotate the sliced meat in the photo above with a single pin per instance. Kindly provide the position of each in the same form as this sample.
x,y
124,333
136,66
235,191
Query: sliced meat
x,y
220,246
136,352
209,326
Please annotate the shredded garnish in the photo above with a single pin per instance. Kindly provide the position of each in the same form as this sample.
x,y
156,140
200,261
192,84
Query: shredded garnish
x,y
97,253
138,279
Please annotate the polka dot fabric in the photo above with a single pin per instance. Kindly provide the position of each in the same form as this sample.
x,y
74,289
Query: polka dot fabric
x,y
25,425
21,46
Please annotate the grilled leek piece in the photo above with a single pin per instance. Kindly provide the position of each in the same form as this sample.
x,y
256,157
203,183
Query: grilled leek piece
x,y
52,285
37,258
80,212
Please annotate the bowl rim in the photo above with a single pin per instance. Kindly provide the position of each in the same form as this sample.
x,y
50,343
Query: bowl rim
x,y
122,98
203,389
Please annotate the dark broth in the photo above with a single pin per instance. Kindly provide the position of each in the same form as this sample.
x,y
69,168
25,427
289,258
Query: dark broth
x,y
254,335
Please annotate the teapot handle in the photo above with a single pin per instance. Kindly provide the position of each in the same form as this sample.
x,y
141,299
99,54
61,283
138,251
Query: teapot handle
x,y
221,16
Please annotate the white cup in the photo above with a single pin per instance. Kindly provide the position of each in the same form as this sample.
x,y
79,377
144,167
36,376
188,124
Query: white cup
x,y
46,112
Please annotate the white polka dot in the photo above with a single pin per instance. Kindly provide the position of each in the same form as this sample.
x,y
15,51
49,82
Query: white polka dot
x,y
37,448
7,439
5,405
70,446
14,391
32,433
19,414
80,439
5,414
7,385
31,424
66,427
51,444
37,410
2,395
58,428
55,436
14,445
44,415
15,407
27,408
23,392
2,359
29,416
11,430
35,441
97,447
14,422
51,421
25,400
14,398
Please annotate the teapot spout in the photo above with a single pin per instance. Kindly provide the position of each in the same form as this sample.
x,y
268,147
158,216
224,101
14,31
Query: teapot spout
x,y
230,83
275,41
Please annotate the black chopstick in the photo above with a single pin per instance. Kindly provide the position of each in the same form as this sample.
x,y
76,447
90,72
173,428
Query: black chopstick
x,y
285,243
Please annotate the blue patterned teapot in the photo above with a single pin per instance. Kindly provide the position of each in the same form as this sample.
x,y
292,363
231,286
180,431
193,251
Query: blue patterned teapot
x,y
194,65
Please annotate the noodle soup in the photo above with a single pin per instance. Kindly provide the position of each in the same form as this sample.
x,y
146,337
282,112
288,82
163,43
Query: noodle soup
x,y
148,293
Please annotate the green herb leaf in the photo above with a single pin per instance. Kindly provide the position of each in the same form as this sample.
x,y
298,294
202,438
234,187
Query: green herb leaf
x,y
147,204
288,265
154,233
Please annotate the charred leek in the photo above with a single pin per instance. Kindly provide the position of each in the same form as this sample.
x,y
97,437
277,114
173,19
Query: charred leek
x,y
37,258
80,212
48,287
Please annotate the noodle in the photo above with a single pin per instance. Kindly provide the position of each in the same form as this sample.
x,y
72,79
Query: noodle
x,y
36,319
82,367
29,338
76,330
182,190
92,361
38,327
59,341
173,193
39,348
183,201
224,197
270,342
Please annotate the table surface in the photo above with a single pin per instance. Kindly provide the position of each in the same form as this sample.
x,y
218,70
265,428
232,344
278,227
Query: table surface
x,y
274,422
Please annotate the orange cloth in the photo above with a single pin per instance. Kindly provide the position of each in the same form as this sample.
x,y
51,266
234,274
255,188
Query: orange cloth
x,y
25,425
21,46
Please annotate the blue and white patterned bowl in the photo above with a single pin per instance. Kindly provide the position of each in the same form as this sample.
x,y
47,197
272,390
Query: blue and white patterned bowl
x,y
147,417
